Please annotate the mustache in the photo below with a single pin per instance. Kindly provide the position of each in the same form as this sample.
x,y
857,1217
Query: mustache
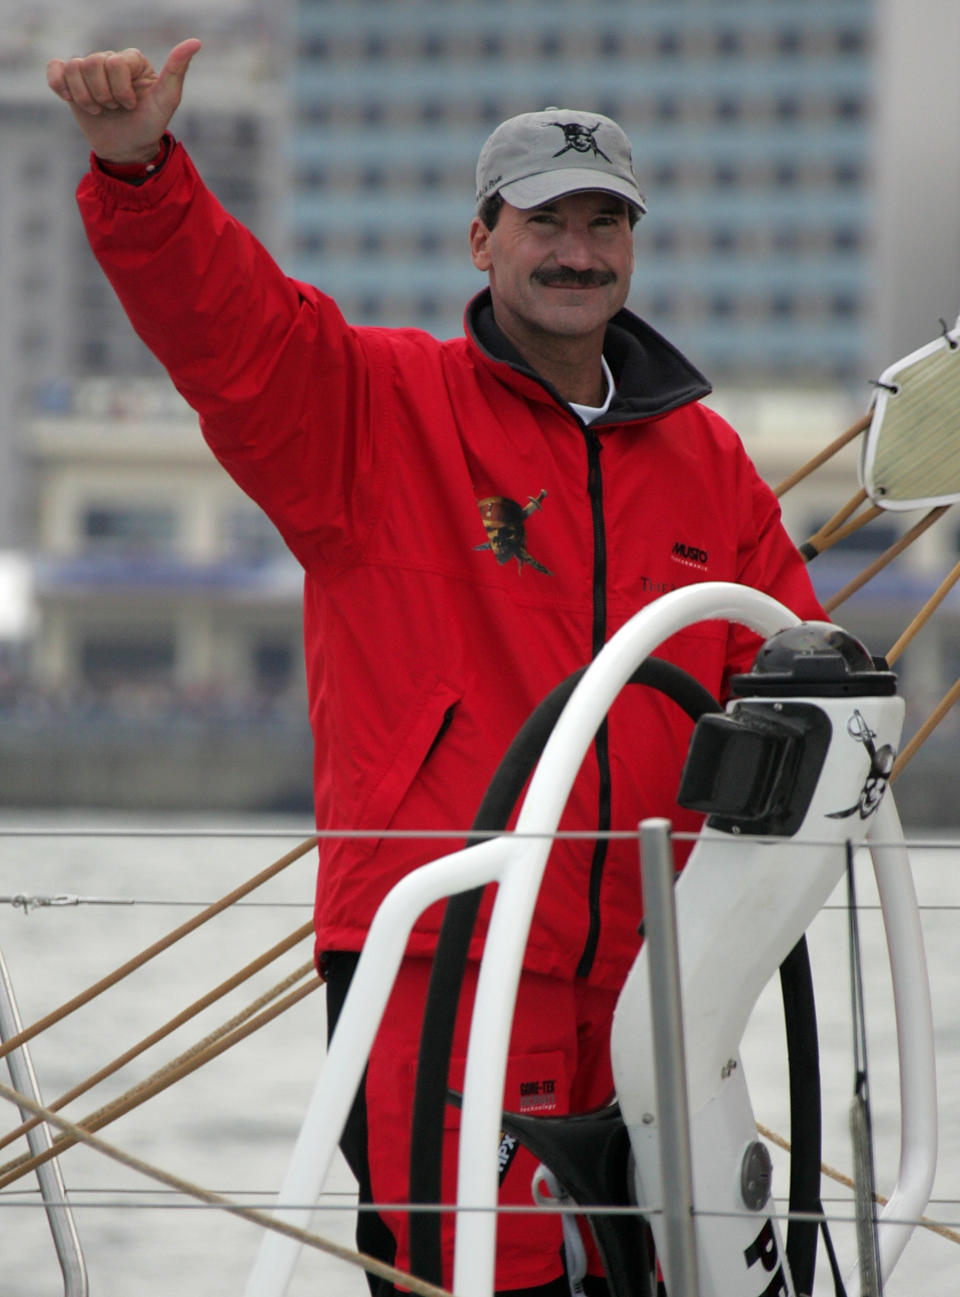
x,y
561,276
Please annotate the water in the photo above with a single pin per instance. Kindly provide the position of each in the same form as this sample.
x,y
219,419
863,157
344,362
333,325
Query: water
x,y
231,1126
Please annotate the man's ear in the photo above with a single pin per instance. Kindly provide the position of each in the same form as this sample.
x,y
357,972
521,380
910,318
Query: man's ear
x,y
480,244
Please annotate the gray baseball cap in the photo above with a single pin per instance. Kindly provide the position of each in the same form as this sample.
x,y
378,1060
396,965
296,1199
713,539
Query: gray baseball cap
x,y
537,157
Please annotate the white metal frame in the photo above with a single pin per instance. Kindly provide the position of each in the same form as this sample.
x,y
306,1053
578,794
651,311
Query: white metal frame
x,y
516,863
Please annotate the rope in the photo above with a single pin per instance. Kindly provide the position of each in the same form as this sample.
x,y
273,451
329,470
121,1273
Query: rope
x,y
166,1029
832,1173
104,984
231,1033
257,1217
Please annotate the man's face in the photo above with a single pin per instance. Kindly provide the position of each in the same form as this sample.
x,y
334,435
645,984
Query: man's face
x,y
560,270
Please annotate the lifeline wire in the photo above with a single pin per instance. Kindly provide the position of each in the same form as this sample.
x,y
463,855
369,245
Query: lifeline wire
x,y
78,1135
84,997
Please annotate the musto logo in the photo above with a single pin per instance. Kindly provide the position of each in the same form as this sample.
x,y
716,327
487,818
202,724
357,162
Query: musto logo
x,y
691,555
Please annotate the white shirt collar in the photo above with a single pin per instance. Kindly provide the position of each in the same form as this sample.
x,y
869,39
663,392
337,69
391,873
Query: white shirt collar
x,y
590,412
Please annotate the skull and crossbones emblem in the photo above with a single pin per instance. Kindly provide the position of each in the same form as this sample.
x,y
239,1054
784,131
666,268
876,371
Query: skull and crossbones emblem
x,y
579,138
504,521
878,776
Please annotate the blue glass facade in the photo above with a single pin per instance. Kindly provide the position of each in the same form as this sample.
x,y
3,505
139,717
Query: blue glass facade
x,y
752,131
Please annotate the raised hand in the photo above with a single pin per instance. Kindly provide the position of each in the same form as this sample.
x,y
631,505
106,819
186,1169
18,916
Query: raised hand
x,y
121,104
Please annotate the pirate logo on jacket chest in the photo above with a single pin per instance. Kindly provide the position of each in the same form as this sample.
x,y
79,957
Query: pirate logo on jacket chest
x,y
504,521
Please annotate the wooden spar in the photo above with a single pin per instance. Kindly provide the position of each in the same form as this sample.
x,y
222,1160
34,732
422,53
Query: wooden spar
x,y
925,613
827,453
885,558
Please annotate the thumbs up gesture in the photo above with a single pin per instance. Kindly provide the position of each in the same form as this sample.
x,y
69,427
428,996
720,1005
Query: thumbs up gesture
x,y
121,104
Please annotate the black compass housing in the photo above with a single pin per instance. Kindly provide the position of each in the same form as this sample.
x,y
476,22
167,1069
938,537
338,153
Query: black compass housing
x,y
754,769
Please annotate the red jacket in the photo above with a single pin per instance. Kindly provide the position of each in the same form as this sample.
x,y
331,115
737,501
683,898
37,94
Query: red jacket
x,y
467,543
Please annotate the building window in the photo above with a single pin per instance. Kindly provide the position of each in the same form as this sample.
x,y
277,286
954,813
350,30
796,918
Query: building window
x,y
790,42
727,109
843,306
783,306
94,356
311,177
313,245
852,41
722,306
847,174
847,239
662,306
133,530
273,662
787,108
314,114
669,44
110,661
250,537
432,111
434,45
314,47
850,108
723,239
429,243
785,175
787,239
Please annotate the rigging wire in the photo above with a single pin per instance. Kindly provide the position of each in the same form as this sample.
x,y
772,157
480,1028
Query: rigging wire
x,y
861,1124
78,1135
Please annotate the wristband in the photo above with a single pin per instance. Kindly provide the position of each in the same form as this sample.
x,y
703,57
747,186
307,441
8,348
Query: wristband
x,y
135,173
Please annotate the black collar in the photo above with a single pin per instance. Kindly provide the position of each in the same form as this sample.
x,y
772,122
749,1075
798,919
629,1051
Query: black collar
x,y
651,375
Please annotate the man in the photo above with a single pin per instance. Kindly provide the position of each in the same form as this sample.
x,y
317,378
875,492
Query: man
x,y
475,518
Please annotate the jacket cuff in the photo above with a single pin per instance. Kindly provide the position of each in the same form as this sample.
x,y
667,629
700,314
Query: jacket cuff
x,y
137,191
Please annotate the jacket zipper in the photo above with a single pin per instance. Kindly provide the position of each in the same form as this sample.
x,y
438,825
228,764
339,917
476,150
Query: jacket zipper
x,y
601,742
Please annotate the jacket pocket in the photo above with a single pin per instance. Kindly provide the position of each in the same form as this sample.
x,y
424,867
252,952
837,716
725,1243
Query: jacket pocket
x,y
427,721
